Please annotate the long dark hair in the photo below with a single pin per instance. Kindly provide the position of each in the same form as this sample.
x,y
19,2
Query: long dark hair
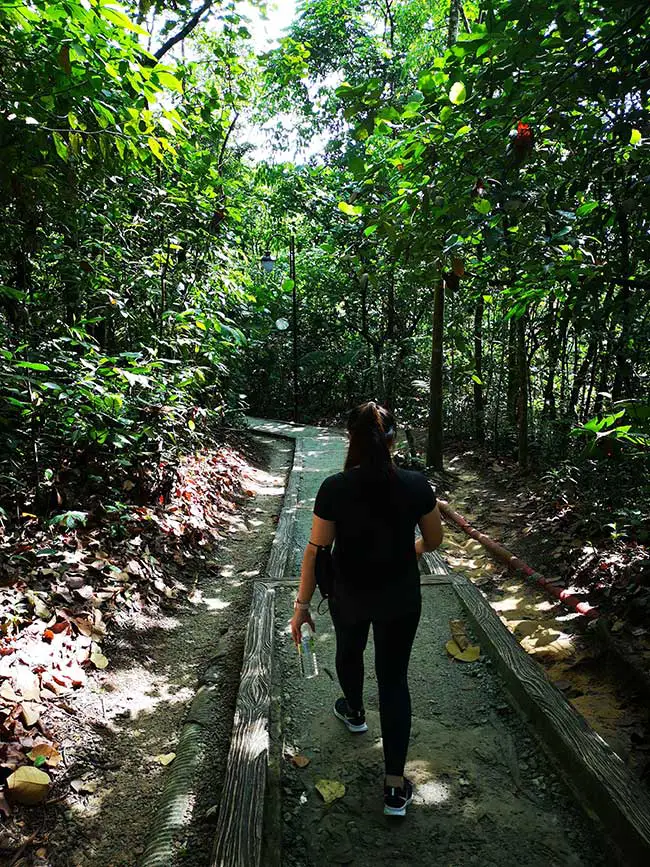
x,y
372,429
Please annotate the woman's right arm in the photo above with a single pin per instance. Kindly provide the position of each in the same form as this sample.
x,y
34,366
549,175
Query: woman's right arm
x,y
431,528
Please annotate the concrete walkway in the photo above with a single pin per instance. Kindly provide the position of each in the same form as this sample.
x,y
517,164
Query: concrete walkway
x,y
486,794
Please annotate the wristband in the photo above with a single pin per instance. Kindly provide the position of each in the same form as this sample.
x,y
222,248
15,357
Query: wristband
x,y
301,606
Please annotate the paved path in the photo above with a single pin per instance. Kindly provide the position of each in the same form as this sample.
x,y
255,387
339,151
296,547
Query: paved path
x,y
486,795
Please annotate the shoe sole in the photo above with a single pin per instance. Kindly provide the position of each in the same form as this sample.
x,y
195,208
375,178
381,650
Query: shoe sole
x,y
357,730
397,811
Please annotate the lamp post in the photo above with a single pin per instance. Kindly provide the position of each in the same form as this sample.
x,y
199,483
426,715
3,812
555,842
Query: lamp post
x,y
268,263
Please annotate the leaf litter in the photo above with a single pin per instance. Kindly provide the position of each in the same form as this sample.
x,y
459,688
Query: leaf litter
x,y
66,590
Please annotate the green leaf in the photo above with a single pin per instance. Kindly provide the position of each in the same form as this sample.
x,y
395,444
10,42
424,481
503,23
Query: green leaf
x,y
357,166
427,82
10,292
351,210
370,230
287,284
463,131
586,208
32,365
154,147
477,380
458,93
119,18
483,206
635,137
60,145
166,79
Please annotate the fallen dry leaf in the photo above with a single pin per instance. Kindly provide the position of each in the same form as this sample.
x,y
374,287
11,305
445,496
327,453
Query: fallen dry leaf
x,y
27,683
7,692
4,806
300,761
47,752
98,659
165,759
458,633
471,654
84,626
31,712
330,790
28,785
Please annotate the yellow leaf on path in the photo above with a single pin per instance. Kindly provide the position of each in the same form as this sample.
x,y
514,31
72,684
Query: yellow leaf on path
x,y
471,654
98,659
330,790
300,761
51,755
458,633
28,785
165,759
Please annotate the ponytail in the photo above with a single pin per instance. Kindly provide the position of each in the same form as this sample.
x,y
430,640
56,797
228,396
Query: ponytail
x,y
371,428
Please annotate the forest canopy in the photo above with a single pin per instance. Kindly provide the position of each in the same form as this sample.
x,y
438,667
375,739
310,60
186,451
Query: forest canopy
x,y
468,202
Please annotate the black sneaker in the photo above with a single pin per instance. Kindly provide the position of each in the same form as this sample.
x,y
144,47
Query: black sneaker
x,y
355,720
397,800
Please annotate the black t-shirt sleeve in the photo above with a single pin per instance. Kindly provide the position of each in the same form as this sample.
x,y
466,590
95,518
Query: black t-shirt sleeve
x,y
325,504
427,499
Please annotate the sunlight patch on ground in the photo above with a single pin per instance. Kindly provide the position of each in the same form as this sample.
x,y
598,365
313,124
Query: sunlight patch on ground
x,y
137,690
215,604
432,792
510,603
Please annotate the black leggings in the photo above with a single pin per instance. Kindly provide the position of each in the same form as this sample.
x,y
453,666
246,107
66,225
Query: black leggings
x,y
393,643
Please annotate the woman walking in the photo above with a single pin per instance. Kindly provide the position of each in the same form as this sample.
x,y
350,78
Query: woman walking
x,y
370,511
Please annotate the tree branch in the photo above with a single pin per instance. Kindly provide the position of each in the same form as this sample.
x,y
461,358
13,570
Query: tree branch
x,y
184,31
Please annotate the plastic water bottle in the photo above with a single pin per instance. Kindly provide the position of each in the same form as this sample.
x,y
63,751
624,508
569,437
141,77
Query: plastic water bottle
x,y
308,664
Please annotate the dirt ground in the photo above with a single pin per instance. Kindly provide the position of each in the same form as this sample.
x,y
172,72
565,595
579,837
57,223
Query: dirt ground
x,y
117,735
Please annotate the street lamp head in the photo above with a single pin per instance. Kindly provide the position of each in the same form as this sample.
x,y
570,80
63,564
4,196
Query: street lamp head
x,y
268,262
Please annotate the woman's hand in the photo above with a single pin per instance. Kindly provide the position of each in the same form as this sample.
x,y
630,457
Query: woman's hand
x,y
300,616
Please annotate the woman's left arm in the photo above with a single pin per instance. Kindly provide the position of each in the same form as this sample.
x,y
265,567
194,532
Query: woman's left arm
x,y
322,533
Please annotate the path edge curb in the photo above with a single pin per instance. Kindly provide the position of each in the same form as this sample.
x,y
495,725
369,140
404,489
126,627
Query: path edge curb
x,y
603,786
180,781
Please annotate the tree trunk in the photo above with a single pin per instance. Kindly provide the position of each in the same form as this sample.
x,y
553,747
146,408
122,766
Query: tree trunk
x,y
581,378
522,395
454,17
479,408
556,339
513,377
434,442
623,370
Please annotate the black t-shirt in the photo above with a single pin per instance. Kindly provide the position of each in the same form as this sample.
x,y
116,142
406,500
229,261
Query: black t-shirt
x,y
377,572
